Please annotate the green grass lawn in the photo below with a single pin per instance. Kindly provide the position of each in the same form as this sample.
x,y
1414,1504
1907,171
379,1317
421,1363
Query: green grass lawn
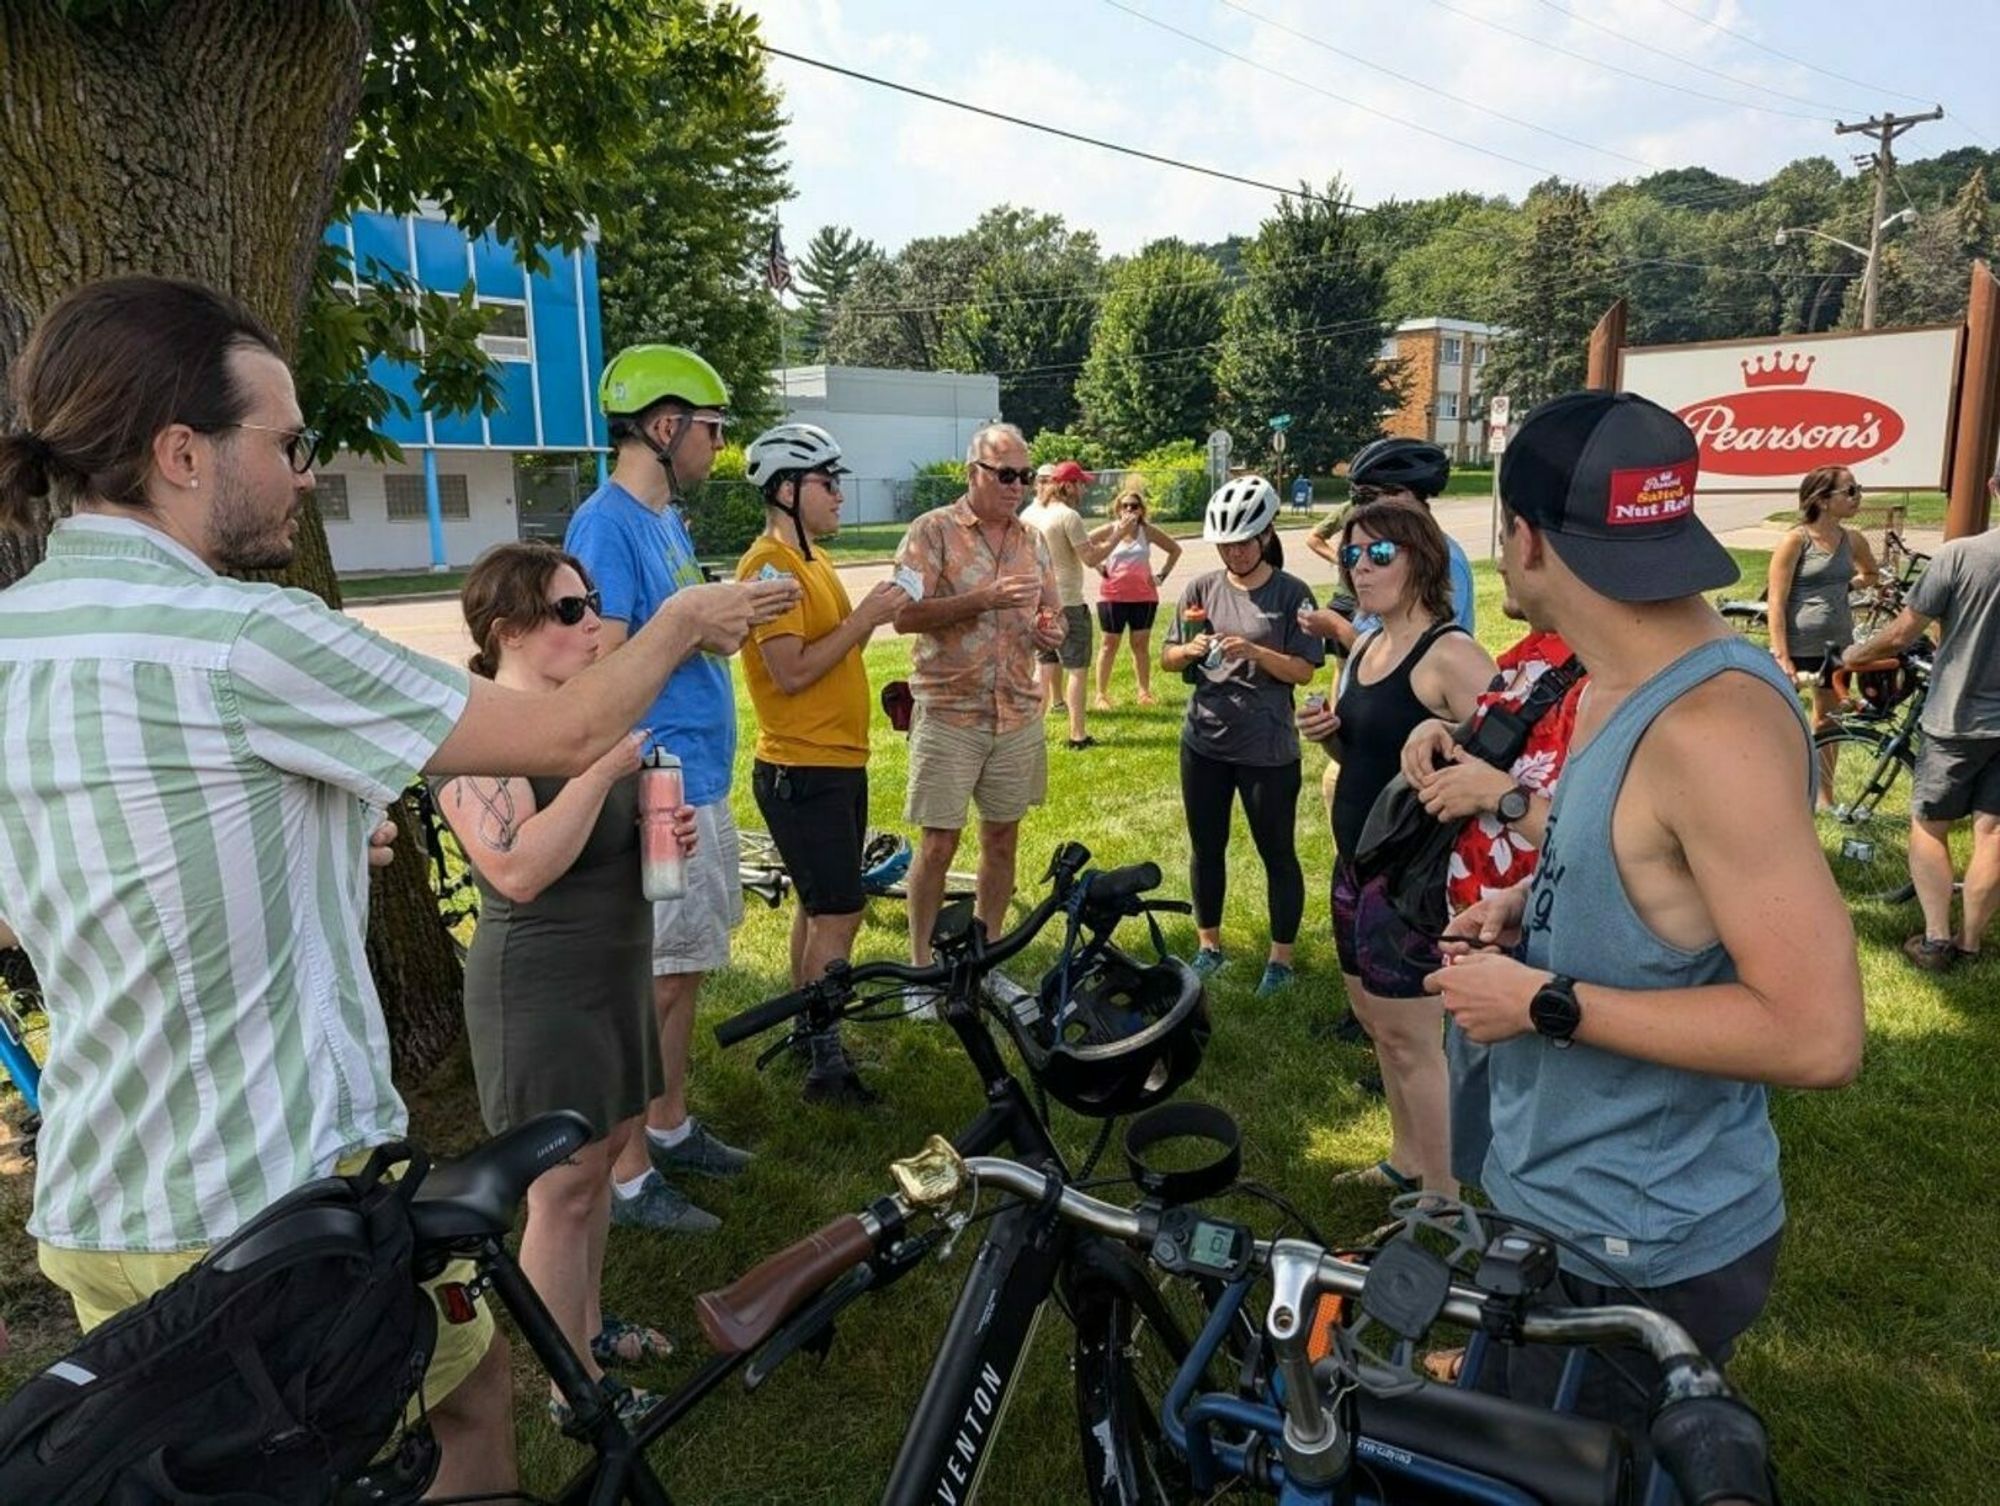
x,y
1920,510
1876,1365
355,588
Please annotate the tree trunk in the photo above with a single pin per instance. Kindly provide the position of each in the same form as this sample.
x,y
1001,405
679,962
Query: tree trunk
x,y
203,139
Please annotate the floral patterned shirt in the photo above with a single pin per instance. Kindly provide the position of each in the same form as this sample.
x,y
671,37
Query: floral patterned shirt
x,y
1491,855
978,672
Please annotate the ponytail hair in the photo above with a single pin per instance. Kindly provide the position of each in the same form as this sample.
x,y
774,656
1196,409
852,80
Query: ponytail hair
x,y
1274,548
1816,486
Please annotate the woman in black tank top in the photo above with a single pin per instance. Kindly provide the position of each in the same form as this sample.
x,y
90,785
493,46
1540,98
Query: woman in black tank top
x,y
1416,664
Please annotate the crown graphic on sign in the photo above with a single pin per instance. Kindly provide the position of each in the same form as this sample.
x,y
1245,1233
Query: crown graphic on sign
x,y
1777,370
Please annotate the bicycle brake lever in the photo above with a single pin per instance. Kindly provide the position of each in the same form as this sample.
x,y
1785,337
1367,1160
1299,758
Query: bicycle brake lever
x,y
777,1049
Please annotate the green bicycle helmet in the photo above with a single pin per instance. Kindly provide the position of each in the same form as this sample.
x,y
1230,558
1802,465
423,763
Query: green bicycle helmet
x,y
642,375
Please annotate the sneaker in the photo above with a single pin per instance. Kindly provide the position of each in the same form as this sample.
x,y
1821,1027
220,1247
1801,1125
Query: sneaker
x,y
1207,962
629,1402
661,1208
839,1090
1345,1028
699,1152
1931,953
1277,978
1078,744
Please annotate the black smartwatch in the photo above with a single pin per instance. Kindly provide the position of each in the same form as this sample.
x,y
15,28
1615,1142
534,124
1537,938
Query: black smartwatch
x,y
1513,805
1555,1012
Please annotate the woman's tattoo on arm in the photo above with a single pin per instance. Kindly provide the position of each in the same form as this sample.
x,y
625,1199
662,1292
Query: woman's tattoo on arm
x,y
497,825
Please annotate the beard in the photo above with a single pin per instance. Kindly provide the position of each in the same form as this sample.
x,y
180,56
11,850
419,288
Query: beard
x,y
246,532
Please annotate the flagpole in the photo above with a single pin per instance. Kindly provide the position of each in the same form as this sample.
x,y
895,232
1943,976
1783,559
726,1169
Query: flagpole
x,y
784,341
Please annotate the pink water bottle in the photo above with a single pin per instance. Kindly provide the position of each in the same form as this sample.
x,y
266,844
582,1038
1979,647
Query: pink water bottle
x,y
662,866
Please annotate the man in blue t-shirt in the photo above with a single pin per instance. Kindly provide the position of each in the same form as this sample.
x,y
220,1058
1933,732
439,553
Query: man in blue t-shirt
x,y
667,408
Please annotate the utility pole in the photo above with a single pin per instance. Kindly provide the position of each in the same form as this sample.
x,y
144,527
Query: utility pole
x,y
1885,128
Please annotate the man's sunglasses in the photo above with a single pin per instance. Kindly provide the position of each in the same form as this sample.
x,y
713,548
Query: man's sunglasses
x,y
569,610
1381,553
1008,475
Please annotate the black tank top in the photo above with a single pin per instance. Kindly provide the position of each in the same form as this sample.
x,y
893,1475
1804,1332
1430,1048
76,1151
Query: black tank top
x,y
1375,721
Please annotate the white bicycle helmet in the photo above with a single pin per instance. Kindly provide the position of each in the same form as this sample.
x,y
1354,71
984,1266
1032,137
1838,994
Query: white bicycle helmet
x,y
1242,509
790,447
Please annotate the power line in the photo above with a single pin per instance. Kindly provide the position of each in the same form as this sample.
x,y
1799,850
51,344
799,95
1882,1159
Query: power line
x,y
1674,57
1730,31
1432,91
1648,81
1295,192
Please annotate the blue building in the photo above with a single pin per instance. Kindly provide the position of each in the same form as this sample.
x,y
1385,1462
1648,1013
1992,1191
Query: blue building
x,y
462,487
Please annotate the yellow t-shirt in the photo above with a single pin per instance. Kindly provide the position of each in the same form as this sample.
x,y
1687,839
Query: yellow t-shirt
x,y
826,724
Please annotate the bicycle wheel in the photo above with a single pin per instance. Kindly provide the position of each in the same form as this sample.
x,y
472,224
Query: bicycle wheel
x,y
1129,1347
1866,832
1748,618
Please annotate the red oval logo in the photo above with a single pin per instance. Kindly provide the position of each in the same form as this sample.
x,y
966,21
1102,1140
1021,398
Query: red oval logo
x,y
1783,431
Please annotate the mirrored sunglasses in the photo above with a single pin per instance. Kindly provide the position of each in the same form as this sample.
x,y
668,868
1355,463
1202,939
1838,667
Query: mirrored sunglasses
x,y
1380,552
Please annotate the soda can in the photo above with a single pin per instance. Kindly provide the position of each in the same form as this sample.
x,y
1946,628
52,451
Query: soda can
x,y
662,791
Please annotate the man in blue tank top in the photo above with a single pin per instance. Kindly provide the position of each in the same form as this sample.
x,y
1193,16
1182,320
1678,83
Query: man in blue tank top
x,y
1681,943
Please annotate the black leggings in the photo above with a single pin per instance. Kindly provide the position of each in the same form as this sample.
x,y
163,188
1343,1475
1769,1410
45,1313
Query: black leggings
x,y
1271,805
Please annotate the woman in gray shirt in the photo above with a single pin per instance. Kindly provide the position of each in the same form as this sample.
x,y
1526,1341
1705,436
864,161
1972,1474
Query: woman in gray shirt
x,y
1814,569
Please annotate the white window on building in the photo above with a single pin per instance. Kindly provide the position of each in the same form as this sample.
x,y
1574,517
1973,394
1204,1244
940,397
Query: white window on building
x,y
406,498
330,492
1451,351
1479,353
1448,405
506,337
1388,351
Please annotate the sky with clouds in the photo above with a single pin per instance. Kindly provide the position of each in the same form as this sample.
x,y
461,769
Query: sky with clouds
x,y
1492,96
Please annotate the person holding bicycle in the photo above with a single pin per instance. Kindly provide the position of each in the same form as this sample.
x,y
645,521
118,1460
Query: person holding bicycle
x,y
558,980
222,751
1958,759
1681,943
1814,570
810,688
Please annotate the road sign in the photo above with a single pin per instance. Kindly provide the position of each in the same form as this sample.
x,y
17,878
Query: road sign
x,y
1498,410
1496,439
1278,441
1281,422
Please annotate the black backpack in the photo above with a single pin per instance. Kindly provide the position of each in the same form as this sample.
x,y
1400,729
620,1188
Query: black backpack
x,y
271,1372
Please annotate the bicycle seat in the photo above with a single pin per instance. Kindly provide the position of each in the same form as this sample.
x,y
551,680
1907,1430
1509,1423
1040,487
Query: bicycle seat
x,y
1561,1459
476,1195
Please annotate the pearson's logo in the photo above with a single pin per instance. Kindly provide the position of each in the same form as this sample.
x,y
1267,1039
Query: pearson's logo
x,y
1651,494
1779,426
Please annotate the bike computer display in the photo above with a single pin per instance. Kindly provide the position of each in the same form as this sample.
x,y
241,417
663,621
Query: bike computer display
x,y
1191,1243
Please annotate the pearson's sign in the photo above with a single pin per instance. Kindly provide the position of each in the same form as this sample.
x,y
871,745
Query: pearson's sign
x,y
1767,411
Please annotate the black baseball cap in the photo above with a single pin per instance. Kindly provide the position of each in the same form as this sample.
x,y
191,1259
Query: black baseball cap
x,y
1610,477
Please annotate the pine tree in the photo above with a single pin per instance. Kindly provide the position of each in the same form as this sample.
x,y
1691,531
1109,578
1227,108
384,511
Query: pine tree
x,y
1555,287
833,258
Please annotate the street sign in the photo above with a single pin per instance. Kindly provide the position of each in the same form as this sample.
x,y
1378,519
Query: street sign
x,y
1281,422
1278,441
1496,439
1499,410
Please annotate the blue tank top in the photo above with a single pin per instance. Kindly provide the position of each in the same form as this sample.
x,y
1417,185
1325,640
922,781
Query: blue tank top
x,y
1663,1174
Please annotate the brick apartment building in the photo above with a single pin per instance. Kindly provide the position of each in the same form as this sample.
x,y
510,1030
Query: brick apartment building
x,y
1443,361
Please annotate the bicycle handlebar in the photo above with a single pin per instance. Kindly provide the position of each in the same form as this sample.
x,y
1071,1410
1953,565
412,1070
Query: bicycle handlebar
x,y
740,1316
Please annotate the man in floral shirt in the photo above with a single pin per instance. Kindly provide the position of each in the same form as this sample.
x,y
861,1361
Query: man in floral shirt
x,y
1505,814
987,599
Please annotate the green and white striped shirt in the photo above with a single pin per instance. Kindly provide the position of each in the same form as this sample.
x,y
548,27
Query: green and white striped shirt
x,y
190,767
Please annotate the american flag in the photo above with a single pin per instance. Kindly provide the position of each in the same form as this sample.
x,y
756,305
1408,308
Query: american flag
x,y
777,266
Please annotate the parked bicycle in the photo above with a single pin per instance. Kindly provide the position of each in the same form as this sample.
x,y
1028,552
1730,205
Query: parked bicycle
x,y
1865,823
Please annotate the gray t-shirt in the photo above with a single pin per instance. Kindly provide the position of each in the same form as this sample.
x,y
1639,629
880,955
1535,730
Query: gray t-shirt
x,y
1961,589
1238,713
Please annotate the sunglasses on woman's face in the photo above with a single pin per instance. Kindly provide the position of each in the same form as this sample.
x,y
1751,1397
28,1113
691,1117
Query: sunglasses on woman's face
x,y
569,610
1380,552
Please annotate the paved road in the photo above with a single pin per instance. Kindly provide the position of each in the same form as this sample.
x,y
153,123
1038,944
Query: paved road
x,y
435,626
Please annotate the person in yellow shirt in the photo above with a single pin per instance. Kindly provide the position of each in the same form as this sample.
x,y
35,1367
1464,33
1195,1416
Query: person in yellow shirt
x,y
810,690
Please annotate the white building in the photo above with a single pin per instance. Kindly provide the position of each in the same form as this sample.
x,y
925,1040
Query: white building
x,y
888,423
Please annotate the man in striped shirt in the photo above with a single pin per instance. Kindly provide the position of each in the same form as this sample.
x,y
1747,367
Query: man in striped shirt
x,y
192,771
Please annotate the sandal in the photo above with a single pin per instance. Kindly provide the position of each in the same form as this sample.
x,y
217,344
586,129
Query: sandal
x,y
1381,1174
629,1402
620,1342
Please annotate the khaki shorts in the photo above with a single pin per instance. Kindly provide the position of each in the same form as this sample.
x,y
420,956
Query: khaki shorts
x,y
1004,773
103,1283
1074,651
691,934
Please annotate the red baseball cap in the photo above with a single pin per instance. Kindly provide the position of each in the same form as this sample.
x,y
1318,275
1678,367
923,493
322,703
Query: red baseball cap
x,y
1068,472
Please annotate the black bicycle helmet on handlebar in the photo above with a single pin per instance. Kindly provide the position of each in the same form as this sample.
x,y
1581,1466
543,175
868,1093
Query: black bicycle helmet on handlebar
x,y
1409,463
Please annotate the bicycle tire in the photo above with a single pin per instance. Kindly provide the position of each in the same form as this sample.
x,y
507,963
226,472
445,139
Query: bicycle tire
x,y
1128,1350
1748,618
1866,834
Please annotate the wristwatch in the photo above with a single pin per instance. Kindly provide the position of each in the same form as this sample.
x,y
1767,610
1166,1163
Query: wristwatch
x,y
1555,1012
1513,805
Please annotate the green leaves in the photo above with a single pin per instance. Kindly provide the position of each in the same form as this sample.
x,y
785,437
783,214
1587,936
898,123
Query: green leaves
x,y
1150,377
